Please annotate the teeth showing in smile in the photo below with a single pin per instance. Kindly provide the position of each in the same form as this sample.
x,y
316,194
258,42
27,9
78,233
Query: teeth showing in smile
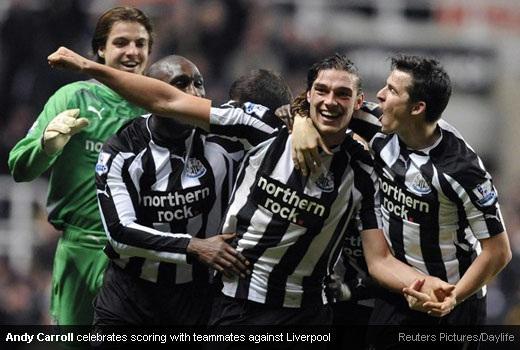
x,y
129,64
328,115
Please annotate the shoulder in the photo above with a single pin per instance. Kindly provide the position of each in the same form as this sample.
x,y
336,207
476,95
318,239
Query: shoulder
x,y
456,159
356,149
77,86
73,91
133,136
370,109
249,109
227,144
454,154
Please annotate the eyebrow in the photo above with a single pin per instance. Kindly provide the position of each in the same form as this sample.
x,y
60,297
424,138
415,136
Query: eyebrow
x,y
320,85
185,77
182,77
124,37
391,86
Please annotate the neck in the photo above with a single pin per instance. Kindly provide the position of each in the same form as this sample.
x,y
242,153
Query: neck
x,y
169,130
334,140
420,135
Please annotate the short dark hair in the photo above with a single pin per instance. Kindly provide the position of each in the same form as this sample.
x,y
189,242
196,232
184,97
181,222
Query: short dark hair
x,y
114,15
430,83
261,86
335,61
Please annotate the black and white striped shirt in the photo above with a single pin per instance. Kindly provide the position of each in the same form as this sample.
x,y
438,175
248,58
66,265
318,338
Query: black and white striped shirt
x,y
290,227
155,195
436,203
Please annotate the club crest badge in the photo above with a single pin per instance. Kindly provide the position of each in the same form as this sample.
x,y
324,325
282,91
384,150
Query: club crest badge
x,y
194,168
326,182
420,185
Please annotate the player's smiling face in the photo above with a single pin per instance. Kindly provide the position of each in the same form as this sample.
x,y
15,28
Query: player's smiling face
x,y
126,47
333,98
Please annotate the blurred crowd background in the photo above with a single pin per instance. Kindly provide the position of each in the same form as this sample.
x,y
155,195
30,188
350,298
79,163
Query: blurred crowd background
x,y
478,41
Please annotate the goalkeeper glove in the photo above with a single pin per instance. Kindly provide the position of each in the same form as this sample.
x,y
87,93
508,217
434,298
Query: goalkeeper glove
x,y
60,129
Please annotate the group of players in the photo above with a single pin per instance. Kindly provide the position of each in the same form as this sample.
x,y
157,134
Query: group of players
x,y
192,188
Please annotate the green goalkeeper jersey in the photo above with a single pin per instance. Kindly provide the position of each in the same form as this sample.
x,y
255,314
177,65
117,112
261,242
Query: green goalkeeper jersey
x,y
72,194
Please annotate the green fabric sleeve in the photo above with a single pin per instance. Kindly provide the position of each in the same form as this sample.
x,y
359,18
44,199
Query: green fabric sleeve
x,y
27,160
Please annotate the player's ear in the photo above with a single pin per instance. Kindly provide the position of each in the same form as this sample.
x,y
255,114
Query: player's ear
x,y
359,101
101,52
418,108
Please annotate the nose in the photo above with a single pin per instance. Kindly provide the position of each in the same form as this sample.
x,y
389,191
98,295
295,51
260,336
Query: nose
x,y
381,94
330,99
192,90
131,49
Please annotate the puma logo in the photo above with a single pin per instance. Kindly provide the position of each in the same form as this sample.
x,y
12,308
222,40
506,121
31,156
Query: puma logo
x,y
103,192
489,216
98,113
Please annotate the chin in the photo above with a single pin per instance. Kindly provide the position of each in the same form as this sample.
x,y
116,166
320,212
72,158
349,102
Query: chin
x,y
386,130
331,131
136,70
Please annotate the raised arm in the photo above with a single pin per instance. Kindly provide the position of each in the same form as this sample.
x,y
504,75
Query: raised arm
x,y
153,95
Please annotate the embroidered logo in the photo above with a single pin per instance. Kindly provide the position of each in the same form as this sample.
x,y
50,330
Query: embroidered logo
x,y
101,166
98,113
258,110
326,181
485,194
420,185
492,217
194,168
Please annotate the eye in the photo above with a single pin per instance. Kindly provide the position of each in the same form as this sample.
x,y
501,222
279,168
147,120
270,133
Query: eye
x,y
180,84
320,90
343,95
199,83
119,43
141,43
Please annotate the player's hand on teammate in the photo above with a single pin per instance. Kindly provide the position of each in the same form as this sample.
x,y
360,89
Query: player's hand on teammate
x,y
284,113
305,142
431,295
338,289
60,130
216,252
64,58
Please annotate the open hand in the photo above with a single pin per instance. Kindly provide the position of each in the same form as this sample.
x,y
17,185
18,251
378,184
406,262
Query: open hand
x,y
216,252
305,142
284,113
60,130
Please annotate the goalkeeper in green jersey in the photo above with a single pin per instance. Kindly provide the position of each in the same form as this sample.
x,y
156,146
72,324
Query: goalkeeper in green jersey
x,y
66,138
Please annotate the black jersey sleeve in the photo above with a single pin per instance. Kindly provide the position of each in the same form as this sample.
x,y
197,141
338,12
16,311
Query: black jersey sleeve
x,y
365,121
118,198
251,124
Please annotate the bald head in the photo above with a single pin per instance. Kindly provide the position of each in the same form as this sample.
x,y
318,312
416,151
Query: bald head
x,y
179,72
